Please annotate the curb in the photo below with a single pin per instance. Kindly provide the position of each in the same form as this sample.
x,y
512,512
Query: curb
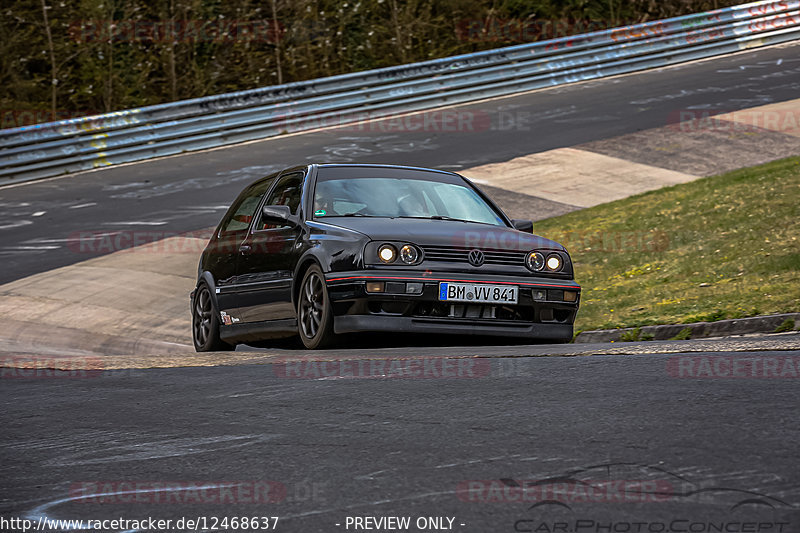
x,y
721,328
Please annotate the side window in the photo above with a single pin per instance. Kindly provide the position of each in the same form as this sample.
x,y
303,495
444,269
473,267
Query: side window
x,y
243,210
287,191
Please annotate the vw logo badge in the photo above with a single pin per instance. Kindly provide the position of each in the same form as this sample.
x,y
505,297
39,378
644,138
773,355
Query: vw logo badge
x,y
476,258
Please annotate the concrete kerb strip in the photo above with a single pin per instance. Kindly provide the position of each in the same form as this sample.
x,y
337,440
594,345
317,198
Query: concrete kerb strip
x,y
704,147
583,177
576,177
132,300
773,343
699,330
782,117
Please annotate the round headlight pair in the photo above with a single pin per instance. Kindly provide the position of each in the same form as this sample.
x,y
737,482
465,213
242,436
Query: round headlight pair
x,y
387,253
537,262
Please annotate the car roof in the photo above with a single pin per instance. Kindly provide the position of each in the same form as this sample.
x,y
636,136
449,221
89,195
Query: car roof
x,y
375,165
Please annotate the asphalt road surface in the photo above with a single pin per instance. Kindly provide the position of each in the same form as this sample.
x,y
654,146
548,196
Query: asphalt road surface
x,y
606,443
190,192
500,444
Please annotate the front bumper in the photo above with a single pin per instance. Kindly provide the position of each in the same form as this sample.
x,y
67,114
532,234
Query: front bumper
x,y
540,313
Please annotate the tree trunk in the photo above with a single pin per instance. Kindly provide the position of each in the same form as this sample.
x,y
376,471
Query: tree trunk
x,y
53,69
277,41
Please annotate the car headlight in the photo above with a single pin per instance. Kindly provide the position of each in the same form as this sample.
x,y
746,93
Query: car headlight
x,y
535,261
387,253
409,254
554,262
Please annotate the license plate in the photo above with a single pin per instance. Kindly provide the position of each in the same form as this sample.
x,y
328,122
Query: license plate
x,y
478,293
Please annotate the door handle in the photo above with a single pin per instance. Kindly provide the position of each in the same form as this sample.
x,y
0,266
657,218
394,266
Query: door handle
x,y
245,248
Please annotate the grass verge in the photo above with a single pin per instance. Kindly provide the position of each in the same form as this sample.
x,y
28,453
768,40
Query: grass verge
x,y
726,246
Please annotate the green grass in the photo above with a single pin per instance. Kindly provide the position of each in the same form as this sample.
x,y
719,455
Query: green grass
x,y
786,325
727,246
636,335
683,335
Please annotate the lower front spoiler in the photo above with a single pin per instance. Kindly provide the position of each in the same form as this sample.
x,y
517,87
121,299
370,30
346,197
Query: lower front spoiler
x,y
401,324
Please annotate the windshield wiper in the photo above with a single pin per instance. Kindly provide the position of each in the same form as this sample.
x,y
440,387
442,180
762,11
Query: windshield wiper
x,y
439,217
451,219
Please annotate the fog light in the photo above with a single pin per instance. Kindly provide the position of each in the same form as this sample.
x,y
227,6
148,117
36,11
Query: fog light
x,y
414,288
387,253
570,296
554,262
375,286
539,295
555,295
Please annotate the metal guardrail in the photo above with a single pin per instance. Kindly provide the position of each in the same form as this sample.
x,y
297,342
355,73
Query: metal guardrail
x,y
66,146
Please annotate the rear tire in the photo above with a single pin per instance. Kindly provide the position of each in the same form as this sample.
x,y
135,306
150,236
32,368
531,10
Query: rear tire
x,y
205,323
314,314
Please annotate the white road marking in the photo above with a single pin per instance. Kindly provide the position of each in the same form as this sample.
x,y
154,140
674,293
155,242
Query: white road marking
x,y
38,213
14,224
160,449
73,239
17,252
44,241
135,223
81,206
104,234
125,186
46,247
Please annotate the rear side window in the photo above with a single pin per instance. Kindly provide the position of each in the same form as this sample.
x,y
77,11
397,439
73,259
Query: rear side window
x,y
244,208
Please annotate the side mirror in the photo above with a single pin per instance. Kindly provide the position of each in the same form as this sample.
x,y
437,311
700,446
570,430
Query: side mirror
x,y
523,225
276,214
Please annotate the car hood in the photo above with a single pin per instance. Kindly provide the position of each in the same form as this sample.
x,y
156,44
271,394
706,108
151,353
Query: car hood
x,y
445,233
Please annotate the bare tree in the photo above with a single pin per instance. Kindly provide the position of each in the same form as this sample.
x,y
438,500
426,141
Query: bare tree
x,y
53,67
277,38
173,76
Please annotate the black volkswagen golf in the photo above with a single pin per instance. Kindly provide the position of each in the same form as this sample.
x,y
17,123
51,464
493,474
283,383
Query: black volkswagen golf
x,y
321,250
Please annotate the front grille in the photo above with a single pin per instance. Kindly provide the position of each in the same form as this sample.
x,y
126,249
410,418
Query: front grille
x,y
476,313
457,254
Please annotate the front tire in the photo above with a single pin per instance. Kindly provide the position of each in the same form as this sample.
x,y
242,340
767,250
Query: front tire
x,y
314,314
205,323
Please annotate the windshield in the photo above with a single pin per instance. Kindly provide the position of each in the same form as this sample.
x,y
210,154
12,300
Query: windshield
x,y
402,198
